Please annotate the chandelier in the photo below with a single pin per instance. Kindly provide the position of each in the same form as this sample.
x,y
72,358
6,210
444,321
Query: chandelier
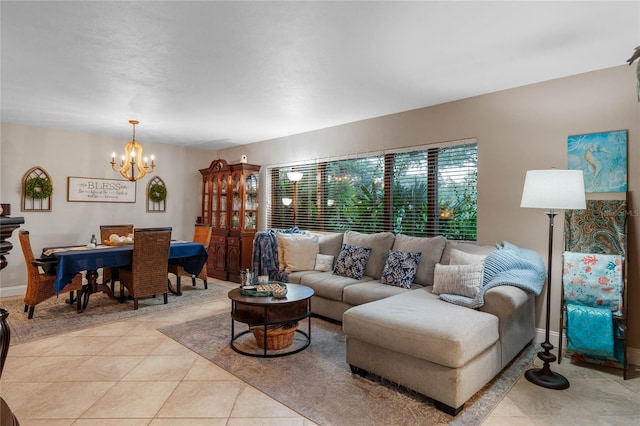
x,y
132,159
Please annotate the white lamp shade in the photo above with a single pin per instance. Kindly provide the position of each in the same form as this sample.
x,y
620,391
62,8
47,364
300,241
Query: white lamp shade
x,y
294,176
554,189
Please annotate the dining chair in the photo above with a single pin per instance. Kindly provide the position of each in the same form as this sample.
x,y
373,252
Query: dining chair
x,y
6,415
40,284
202,235
110,275
147,274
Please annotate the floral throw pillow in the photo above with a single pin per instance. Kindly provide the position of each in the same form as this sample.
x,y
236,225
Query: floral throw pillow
x,y
400,268
352,261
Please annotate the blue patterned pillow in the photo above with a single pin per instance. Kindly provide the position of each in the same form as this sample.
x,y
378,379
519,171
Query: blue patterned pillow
x,y
351,261
400,268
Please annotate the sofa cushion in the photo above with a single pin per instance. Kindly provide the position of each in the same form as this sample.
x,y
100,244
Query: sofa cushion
x,y
430,249
324,262
400,268
462,280
352,261
366,292
419,324
280,238
328,285
459,257
380,244
330,243
466,247
300,253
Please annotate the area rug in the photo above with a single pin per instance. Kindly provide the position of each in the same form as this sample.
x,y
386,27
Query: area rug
x,y
318,384
55,315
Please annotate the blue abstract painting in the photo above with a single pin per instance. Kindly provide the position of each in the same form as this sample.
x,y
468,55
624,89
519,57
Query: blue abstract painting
x,y
602,157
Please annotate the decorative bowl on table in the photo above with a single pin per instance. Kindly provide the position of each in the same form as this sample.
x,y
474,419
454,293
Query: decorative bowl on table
x,y
263,290
280,293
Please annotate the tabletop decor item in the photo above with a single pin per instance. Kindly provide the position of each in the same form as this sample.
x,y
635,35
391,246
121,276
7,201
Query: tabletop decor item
x,y
265,290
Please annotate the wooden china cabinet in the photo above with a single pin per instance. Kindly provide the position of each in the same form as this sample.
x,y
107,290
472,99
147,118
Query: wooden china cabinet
x,y
230,204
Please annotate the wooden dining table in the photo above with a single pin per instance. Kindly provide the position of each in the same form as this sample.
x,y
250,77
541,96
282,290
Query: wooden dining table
x,y
76,259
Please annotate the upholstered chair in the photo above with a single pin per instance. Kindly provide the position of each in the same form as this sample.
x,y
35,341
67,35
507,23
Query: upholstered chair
x,y
40,284
202,235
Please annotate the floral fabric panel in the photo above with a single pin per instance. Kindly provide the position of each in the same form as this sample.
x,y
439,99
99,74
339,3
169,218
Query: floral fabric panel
x,y
400,268
352,261
593,280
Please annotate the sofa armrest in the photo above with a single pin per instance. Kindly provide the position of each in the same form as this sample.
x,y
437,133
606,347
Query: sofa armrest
x,y
515,309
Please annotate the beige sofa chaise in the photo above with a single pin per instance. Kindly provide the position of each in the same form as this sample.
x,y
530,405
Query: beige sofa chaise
x,y
411,336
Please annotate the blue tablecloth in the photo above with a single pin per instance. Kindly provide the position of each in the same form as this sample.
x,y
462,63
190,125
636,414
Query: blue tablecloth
x,y
191,256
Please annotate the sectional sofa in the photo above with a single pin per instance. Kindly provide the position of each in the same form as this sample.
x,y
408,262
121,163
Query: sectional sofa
x,y
391,306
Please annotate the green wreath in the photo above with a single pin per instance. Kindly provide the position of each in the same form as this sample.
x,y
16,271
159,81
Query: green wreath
x,y
39,188
157,192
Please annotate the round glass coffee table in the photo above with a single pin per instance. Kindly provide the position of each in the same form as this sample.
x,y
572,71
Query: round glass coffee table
x,y
268,312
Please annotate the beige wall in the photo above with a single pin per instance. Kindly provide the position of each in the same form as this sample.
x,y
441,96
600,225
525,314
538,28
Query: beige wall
x,y
64,154
517,130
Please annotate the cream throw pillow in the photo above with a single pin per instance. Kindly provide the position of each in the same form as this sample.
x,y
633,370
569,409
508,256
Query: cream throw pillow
x,y
461,280
280,237
459,257
300,253
324,262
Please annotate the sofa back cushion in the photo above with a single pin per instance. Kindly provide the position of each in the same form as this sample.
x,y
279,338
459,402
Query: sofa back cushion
x,y
330,243
380,243
465,247
431,252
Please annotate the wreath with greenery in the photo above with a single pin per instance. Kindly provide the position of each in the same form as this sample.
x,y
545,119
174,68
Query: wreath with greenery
x,y
39,188
157,192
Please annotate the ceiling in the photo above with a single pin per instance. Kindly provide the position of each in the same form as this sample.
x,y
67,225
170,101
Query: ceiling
x,y
218,74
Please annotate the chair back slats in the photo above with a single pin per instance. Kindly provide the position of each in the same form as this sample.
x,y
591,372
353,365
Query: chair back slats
x,y
202,234
149,264
121,230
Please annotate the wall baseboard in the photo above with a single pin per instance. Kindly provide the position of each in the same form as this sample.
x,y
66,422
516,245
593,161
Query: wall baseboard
x,y
632,353
18,290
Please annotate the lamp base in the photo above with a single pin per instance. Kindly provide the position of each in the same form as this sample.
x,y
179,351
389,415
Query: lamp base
x,y
546,378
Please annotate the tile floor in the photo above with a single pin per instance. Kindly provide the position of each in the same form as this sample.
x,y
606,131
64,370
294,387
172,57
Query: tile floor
x,y
128,373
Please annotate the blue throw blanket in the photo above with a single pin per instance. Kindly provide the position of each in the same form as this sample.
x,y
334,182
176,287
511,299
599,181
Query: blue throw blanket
x,y
264,260
509,265
590,330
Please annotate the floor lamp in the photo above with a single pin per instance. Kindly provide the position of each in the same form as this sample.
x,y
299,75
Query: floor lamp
x,y
551,189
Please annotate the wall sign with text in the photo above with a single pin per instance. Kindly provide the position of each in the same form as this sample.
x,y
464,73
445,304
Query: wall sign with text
x,y
100,190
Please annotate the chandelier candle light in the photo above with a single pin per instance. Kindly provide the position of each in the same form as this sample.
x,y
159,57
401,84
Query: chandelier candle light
x,y
551,189
132,159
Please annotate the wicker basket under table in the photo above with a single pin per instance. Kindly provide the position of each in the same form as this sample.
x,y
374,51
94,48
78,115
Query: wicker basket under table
x,y
278,337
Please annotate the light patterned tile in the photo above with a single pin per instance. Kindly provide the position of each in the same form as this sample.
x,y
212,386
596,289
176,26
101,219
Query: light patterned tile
x,y
62,400
135,345
131,400
201,399
83,345
104,368
164,367
47,369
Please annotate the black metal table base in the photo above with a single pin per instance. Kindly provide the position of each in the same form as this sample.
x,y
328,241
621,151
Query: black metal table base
x,y
265,353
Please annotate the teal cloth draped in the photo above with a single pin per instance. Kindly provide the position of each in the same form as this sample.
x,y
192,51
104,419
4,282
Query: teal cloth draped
x,y
590,330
